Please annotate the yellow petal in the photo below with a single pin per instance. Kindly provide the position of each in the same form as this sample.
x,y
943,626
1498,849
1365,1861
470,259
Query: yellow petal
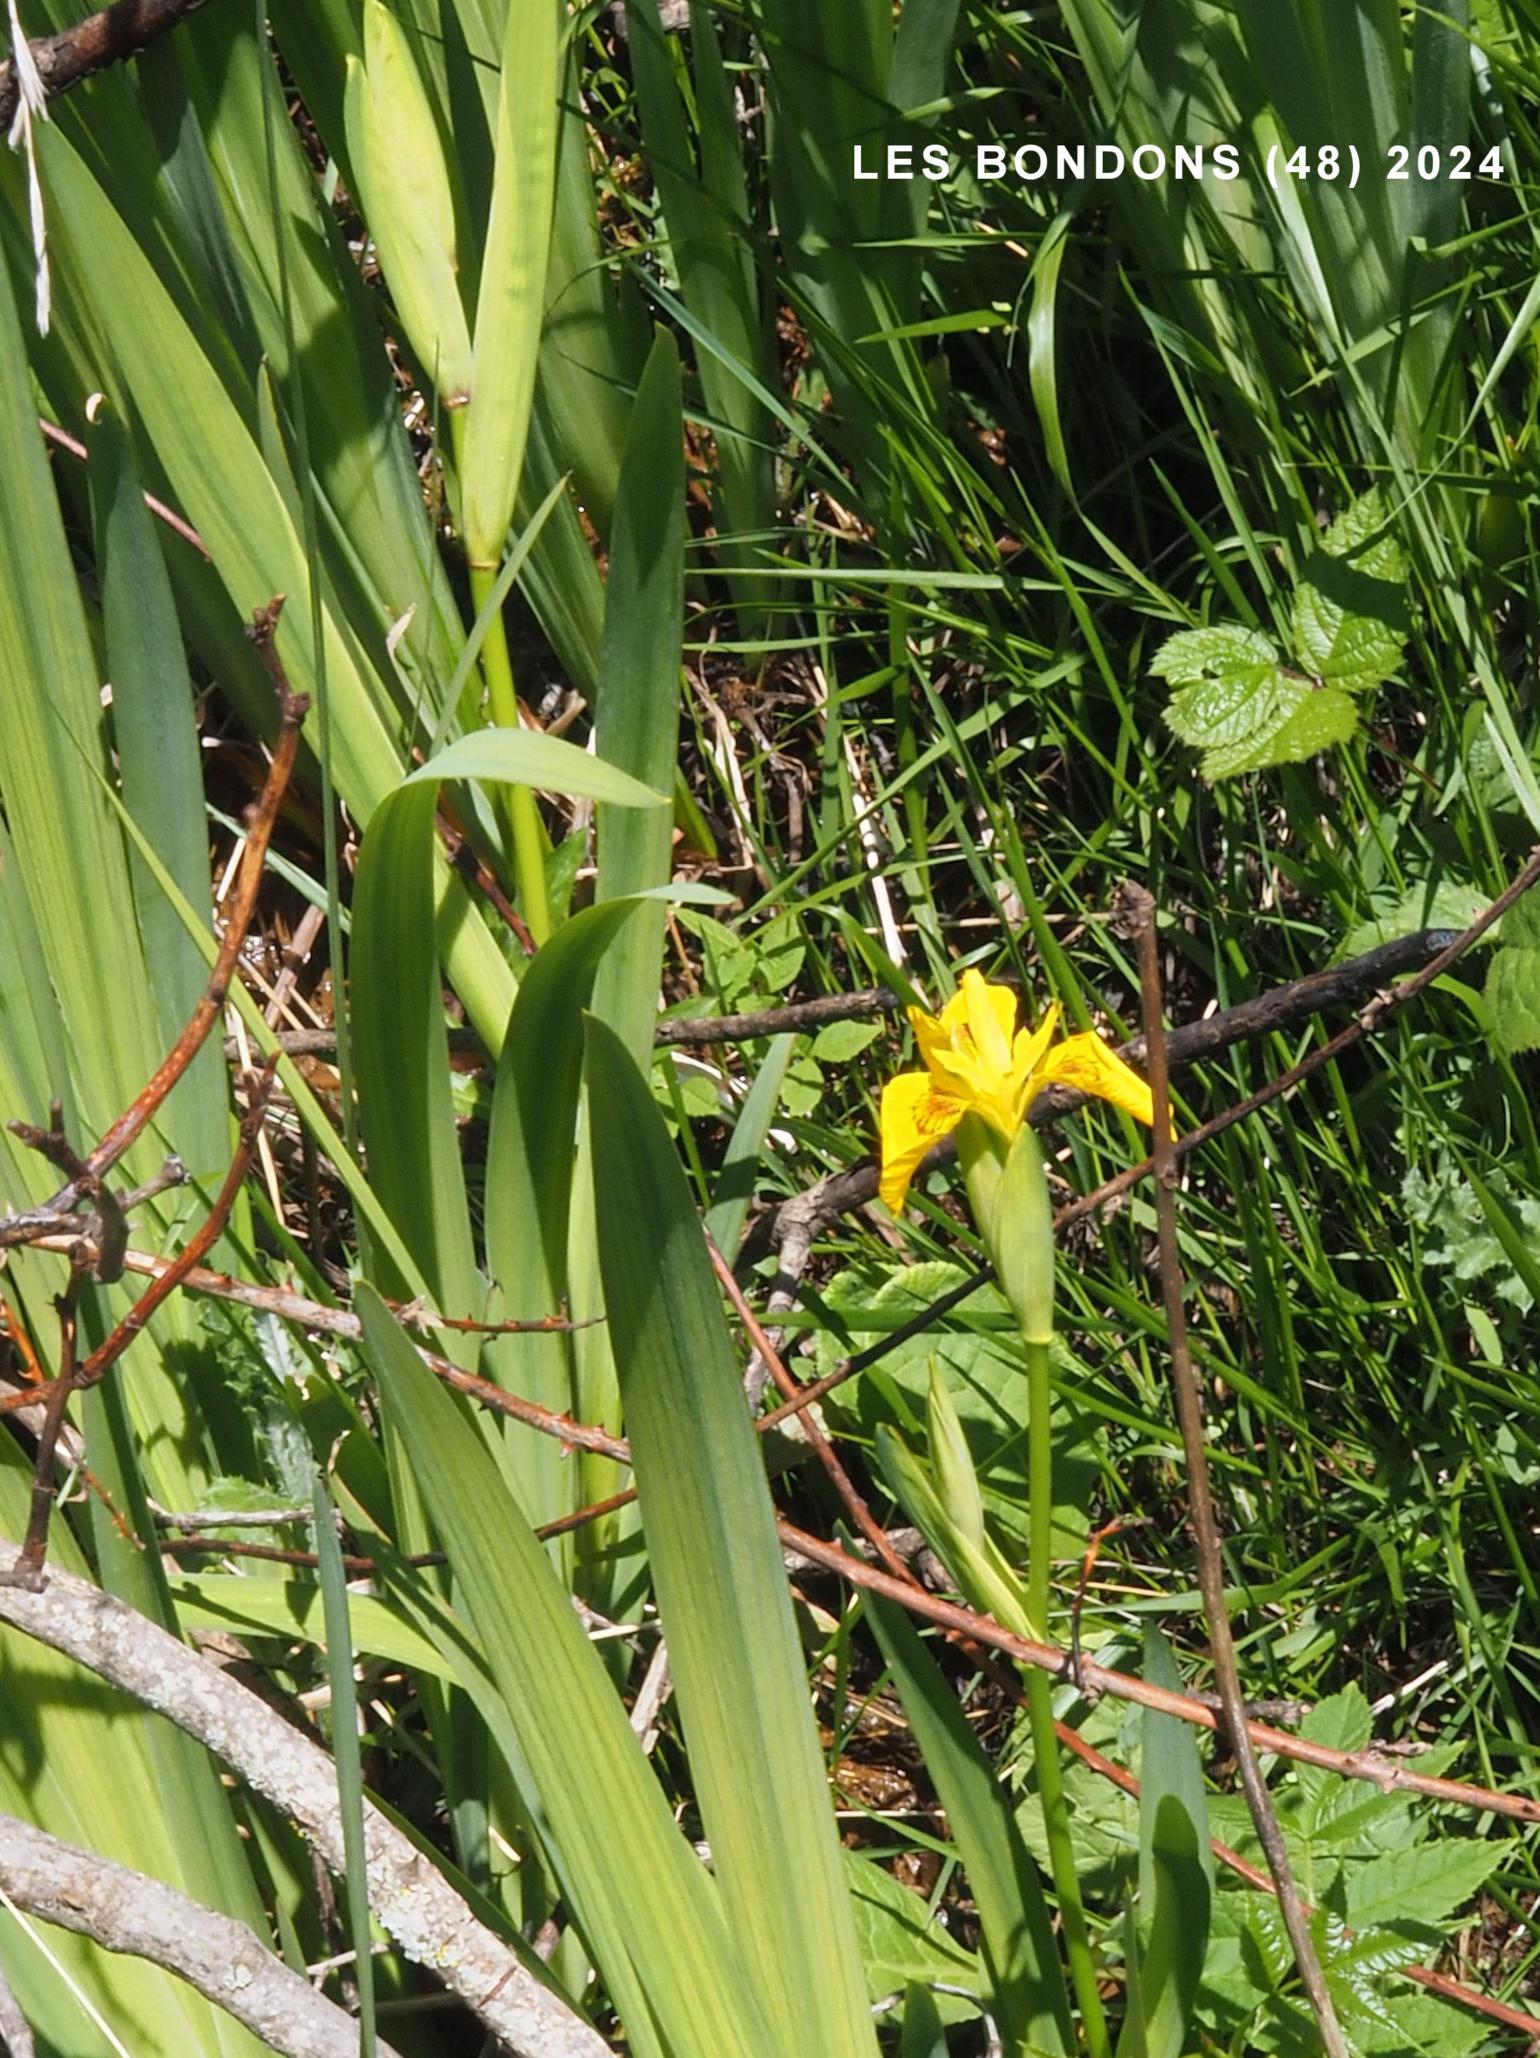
x,y
1092,1066
930,1033
914,1117
953,1018
1027,1056
991,1014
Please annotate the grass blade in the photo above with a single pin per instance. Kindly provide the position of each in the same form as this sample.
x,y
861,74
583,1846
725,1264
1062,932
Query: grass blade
x,y
345,1751
1028,1998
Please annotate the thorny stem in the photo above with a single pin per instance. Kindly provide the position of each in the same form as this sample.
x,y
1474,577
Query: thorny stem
x,y
1137,915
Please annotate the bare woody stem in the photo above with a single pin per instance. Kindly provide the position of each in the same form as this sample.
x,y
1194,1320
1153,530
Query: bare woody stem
x,y
222,1958
409,1895
1136,913
89,46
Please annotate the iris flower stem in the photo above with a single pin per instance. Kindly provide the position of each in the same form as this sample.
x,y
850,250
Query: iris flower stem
x,y
519,816
1045,1744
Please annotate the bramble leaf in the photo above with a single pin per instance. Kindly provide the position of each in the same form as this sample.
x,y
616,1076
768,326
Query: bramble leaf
x,y
1242,709
1513,996
1193,656
1245,706
1350,619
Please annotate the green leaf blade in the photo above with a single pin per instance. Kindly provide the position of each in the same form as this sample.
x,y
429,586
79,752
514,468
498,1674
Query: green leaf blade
x,y
711,1539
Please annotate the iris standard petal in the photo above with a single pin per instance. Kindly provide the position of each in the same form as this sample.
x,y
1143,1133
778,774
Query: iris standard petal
x,y
991,1013
1027,1056
930,1033
1092,1066
914,1117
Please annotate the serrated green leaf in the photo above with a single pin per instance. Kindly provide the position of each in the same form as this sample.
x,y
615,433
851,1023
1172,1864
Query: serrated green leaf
x,y
1323,716
1425,1885
1521,925
1256,716
1363,537
1513,997
1350,618
1222,649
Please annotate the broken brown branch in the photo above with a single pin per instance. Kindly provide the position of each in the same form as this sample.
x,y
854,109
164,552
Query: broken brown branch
x,y
408,1894
90,46
222,1958
1136,919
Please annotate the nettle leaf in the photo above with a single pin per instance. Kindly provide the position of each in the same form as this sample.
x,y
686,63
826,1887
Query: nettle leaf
x,y
1246,705
1243,707
1350,616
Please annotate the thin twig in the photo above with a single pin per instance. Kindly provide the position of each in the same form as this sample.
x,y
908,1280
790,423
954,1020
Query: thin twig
x,y
63,440
1136,918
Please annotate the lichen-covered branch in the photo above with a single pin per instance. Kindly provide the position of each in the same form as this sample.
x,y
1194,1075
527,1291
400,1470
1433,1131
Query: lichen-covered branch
x,y
408,1895
128,1911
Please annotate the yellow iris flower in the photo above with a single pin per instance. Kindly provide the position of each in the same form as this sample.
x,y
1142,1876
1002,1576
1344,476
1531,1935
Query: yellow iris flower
x,y
978,1062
